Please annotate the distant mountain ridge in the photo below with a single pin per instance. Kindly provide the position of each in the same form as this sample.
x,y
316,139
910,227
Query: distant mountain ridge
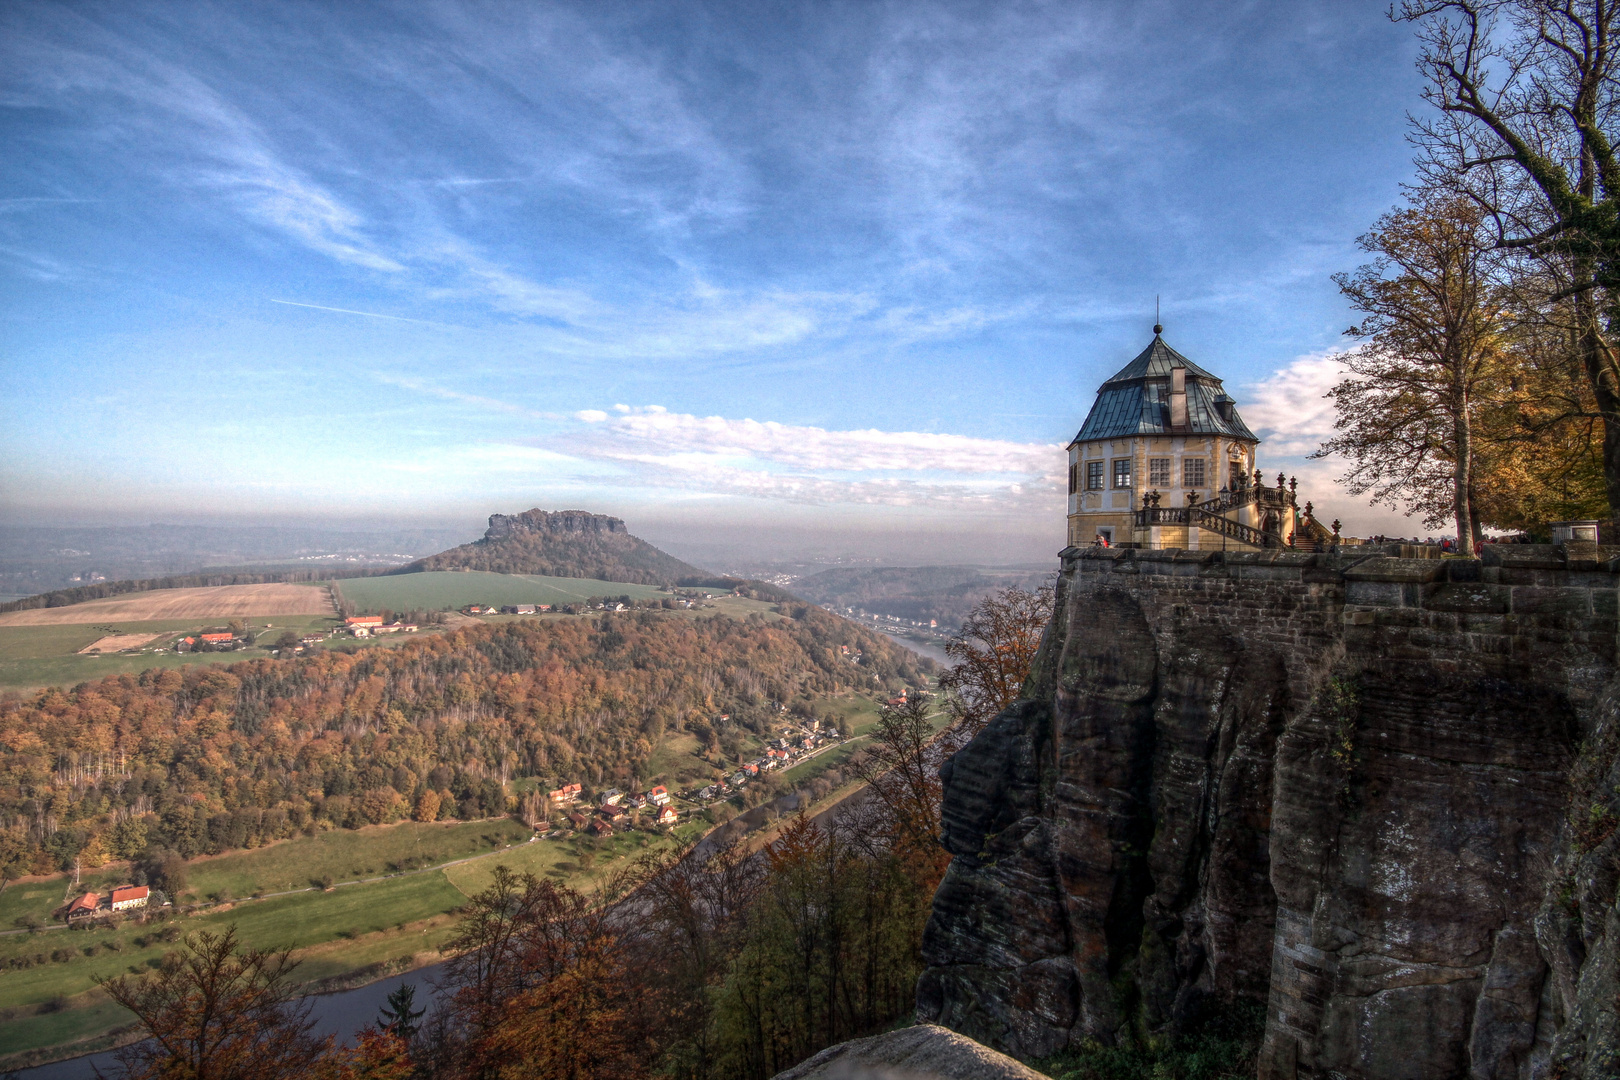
x,y
562,543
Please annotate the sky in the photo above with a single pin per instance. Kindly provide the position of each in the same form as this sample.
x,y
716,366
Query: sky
x,y
840,276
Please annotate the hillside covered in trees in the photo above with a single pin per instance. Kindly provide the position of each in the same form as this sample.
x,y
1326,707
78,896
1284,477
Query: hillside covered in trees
x,y
207,759
945,593
567,543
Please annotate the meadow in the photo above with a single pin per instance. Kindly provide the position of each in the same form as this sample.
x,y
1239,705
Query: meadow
x,y
439,589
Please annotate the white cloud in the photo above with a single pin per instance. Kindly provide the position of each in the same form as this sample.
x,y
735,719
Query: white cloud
x,y
653,430
1289,408
716,455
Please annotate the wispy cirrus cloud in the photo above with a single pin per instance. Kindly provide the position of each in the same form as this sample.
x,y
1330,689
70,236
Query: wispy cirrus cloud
x,y
423,386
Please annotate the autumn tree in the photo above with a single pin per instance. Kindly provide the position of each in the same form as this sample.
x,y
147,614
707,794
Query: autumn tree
x,y
541,986
1525,120
993,653
1540,454
900,765
831,950
693,913
1432,357
217,1011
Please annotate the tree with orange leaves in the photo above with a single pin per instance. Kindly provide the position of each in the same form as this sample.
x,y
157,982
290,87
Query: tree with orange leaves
x,y
219,1012
541,987
993,652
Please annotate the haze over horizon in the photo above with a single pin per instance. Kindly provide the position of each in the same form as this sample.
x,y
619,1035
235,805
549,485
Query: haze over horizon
x,y
844,276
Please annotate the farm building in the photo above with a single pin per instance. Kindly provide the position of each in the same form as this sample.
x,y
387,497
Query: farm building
x,y
126,897
83,908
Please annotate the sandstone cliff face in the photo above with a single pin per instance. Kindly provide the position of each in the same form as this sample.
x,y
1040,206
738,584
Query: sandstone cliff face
x,y
1338,785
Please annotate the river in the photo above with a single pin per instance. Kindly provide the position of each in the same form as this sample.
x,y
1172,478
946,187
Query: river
x,y
923,648
342,1014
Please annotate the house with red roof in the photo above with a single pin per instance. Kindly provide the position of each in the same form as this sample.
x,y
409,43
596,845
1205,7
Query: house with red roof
x,y
666,815
566,795
84,907
130,896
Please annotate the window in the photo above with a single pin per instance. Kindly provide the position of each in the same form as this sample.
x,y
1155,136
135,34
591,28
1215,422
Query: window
x,y
1094,475
1158,472
1192,472
1122,472
1234,474
1074,477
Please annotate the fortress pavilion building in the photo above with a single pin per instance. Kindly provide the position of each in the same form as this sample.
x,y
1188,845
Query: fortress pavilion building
x,y
1165,461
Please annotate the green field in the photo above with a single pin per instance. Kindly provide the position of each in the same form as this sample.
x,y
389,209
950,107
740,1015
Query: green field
x,y
389,919
34,656
440,589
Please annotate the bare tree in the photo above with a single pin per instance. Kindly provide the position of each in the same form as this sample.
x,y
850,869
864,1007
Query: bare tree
x,y
217,1012
1526,97
901,769
993,652
1433,357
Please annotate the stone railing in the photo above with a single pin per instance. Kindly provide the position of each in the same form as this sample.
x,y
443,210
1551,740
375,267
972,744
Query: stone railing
x,y
1199,517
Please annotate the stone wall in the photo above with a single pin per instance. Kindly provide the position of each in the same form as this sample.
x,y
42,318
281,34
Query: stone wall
x,y
1341,785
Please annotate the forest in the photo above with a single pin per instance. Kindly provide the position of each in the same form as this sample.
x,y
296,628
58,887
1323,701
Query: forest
x,y
206,759
729,967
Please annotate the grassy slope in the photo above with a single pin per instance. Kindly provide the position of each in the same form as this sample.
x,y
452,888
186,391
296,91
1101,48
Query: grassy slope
x,y
453,589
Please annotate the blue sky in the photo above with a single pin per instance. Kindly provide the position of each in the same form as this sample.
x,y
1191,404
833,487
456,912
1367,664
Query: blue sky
x,y
827,269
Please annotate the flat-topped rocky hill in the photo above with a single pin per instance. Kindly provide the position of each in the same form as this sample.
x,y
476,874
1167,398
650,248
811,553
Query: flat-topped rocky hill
x,y
1377,795
564,543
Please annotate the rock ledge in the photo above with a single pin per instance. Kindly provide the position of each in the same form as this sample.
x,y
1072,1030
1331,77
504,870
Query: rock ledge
x,y
923,1052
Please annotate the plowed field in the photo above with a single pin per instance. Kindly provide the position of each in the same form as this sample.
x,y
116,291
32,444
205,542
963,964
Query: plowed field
x,y
115,642
221,602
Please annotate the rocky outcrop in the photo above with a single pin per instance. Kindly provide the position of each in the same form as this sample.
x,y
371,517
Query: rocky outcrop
x,y
564,543
1338,785
559,521
924,1052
